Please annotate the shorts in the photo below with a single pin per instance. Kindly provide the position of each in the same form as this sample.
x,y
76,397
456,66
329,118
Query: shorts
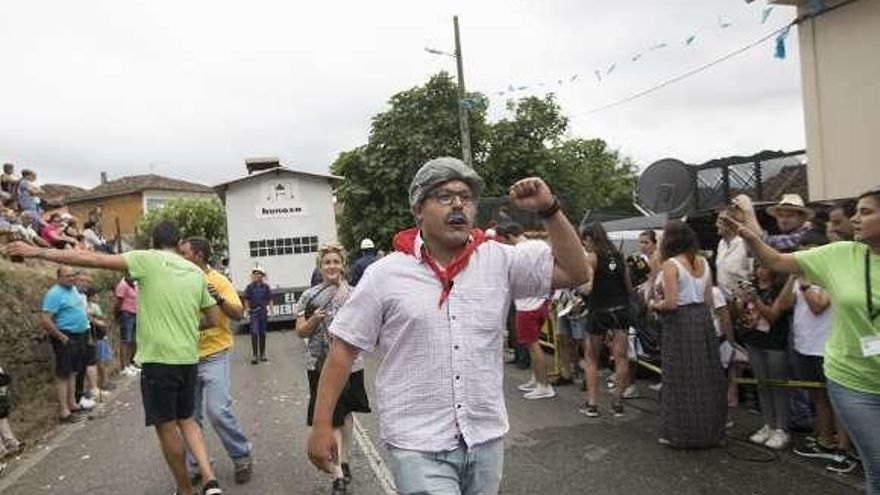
x,y
529,324
809,368
168,391
70,357
352,399
127,327
104,352
573,327
91,355
602,321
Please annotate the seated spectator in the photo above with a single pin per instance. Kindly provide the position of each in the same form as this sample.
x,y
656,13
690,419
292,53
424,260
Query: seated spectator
x,y
53,233
71,228
24,228
27,193
93,240
6,221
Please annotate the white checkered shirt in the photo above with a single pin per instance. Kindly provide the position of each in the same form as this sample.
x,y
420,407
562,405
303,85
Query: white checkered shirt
x,y
440,379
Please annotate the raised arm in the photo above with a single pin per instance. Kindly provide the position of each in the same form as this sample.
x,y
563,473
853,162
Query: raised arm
x,y
570,262
73,257
771,258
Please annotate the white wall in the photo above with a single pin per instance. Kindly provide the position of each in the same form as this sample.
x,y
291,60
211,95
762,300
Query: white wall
x,y
244,224
840,69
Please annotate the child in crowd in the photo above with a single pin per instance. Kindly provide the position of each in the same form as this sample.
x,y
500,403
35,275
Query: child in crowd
x,y
102,345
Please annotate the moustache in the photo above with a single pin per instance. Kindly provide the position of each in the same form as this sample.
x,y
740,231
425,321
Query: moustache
x,y
456,217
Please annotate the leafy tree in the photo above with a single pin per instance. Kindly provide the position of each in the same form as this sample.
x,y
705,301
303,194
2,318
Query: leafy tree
x,y
194,216
421,124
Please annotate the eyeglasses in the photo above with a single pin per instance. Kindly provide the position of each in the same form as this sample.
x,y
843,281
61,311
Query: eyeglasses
x,y
446,197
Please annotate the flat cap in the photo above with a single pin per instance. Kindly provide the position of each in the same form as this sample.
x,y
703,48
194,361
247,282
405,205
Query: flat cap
x,y
438,171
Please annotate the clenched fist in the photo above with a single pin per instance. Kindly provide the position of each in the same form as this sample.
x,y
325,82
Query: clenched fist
x,y
532,195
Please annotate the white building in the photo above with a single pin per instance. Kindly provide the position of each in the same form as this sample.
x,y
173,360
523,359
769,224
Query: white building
x,y
276,218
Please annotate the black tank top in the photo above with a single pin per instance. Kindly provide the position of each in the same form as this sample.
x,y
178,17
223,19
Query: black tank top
x,y
609,283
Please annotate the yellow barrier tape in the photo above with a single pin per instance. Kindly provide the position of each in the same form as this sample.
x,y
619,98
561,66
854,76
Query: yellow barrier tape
x,y
750,381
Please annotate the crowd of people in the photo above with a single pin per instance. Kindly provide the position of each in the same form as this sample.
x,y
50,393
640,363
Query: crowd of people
x,y
24,217
781,305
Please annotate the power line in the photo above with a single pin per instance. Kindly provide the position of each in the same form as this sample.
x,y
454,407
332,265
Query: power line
x,y
687,74
717,61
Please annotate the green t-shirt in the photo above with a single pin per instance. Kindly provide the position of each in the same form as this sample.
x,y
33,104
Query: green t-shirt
x,y
171,294
840,268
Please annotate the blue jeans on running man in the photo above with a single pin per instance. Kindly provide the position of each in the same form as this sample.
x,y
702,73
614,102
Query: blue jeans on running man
x,y
463,471
212,388
860,413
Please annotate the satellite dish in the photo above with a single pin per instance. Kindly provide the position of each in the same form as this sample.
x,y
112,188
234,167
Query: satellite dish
x,y
666,186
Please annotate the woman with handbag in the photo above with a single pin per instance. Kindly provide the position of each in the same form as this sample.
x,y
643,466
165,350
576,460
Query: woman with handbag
x,y
315,311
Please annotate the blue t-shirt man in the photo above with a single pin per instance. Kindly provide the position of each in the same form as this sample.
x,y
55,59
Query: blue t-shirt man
x,y
67,309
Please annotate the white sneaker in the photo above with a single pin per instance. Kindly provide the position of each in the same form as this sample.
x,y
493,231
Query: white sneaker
x,y
778,440
528,386
540,392
86,403
631,392
761,436
656,387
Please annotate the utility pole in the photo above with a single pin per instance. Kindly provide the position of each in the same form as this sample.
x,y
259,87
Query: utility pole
x,y
462,108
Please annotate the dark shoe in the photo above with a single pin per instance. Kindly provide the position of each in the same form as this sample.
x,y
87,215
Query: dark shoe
x,y
561,381
255,361
589,410
617,409
339,487
842,463
244,467
815,450
346,472
212,488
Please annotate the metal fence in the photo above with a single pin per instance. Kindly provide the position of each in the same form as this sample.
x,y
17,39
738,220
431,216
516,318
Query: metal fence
x,y
764,177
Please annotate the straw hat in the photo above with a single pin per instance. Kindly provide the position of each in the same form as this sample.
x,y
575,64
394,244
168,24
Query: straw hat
x,y
791,202
259,269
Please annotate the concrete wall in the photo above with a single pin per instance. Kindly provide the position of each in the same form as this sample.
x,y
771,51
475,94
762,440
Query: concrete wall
x,y
247,221
840,70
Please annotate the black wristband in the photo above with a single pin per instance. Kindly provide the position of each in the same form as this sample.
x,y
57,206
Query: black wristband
x,y
219,301
552,210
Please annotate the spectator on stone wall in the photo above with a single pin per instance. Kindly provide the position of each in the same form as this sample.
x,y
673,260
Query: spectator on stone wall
x,y
93,240
7,180
25,229
27,193
53,233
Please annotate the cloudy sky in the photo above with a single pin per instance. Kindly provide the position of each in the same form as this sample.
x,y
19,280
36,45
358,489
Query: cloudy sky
x,y
190,89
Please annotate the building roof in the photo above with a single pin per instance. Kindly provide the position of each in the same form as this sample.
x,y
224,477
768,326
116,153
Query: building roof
x,y
224,185
55,194
136,184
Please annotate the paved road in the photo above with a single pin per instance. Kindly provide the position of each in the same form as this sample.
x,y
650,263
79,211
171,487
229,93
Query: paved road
x,y
551,448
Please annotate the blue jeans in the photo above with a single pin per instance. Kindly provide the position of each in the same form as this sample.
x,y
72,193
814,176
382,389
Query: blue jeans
x,y
212,388
259,323
860,414
463,471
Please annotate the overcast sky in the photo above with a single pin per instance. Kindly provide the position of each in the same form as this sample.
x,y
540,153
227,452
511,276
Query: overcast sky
x,y
190,89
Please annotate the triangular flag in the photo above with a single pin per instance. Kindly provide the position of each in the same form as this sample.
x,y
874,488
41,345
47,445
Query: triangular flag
x,y
658,46
690,39
598,74
636,57
780,43
610,69
817,5
573,78
766,14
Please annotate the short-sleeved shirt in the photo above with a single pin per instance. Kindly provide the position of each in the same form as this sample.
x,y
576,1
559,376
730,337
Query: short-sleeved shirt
x,y
809,330
128,295
26,199
216,339
840,268
440,379
319,341
258,295
67,309
531,303
171,294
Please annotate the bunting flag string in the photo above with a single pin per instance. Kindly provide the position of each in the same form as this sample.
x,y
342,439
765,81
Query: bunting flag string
x,y
687,42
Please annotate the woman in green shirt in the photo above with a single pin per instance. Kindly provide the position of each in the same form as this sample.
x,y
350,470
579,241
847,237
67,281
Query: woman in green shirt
x,y
850,273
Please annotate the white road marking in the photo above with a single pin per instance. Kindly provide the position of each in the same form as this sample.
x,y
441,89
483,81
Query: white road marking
x,y
383,475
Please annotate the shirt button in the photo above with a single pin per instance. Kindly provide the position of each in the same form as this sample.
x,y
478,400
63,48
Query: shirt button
x,y
455,347
457,377
458,406
453,317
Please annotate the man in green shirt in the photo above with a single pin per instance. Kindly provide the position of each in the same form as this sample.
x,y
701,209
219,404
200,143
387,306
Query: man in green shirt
x,y
172,297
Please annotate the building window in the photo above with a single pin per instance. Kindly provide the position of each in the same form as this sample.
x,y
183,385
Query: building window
x,y
283,246
155,203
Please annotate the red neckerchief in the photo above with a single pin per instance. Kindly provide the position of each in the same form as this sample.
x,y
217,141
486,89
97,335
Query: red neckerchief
x,y
405,242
